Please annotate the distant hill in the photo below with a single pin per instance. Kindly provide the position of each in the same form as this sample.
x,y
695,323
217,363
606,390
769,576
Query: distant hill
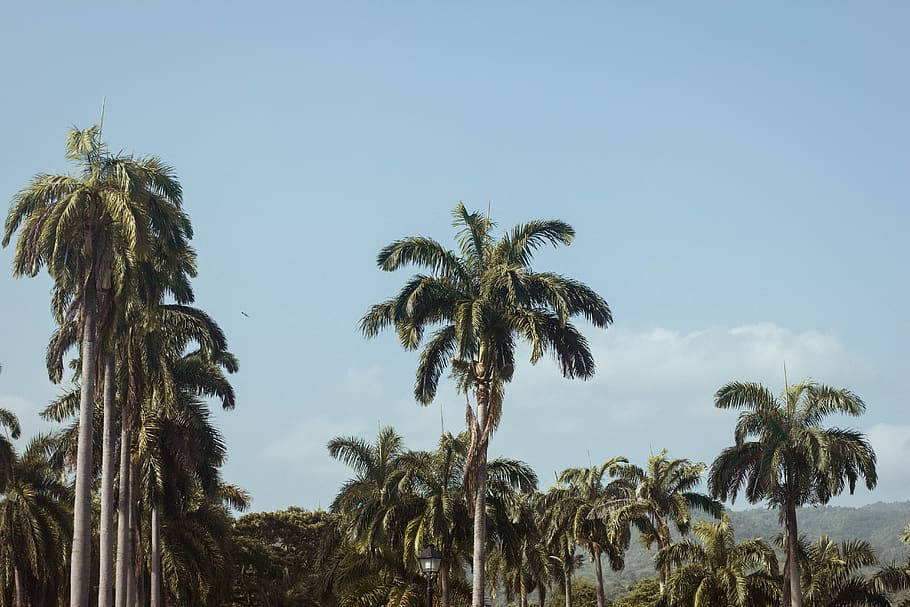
x,y
880,524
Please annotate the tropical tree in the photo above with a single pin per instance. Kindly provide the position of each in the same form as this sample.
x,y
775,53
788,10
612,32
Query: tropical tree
x,y
719,571
784,455
481,300
35,527
82,227
664,495
587,496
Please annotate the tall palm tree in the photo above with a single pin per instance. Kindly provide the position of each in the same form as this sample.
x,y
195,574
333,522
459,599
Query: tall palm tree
x,y
719,571
586,496
79,227
664,495
35,526
481,300
792,459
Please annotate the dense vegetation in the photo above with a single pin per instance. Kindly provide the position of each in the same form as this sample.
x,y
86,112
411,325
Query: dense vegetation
x,y
126,504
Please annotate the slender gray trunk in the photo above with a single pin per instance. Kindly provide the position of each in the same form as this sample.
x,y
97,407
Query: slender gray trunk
x,y
155,568
19,590
598,571
80,560
135,589
480,505
568,587
444,583
123,514
796,595
664,572
130,518
106,533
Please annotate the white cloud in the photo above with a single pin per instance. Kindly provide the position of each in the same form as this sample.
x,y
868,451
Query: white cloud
x,y
654,388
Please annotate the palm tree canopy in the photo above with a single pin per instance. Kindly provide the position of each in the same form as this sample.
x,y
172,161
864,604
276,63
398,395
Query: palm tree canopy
x,y
483,297
781,450
716,570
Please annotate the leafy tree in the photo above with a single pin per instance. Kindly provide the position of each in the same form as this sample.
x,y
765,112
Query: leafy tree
x,y
482,299
584,594
645,593
719,571
663,495
279,558
82,227
792,459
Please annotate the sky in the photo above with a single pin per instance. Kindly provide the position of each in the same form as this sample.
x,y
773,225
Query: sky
x,y
737,174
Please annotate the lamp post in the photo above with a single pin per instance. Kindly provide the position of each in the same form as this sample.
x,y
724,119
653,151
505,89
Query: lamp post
x,y
430,559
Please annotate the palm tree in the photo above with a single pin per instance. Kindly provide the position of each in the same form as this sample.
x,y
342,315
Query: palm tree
x,y
719,571
586,497
792,460
34,526
559,525
482,300
366,500
81,227
520,563
663,495
832,574
437,513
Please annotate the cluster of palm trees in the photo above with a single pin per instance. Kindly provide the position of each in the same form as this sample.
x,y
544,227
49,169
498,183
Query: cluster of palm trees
x,y
147,519
482,299
142,451
400,501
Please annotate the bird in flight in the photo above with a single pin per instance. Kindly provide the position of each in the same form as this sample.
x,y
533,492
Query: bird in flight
x,y
244,313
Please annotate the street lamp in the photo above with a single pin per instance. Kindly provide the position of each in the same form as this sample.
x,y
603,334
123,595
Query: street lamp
x,y
430,559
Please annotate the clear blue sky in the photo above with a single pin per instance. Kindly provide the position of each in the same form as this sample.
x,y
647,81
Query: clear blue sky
x,y
737,174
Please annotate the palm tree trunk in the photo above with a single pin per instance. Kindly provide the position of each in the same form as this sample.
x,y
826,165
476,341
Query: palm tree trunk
x,y
542,594
82,509
785,595
568,573
106,533
20,591
137,582
796,596
523,596
443,584
664,572
598,571
123,514
130,540
480,503
156,562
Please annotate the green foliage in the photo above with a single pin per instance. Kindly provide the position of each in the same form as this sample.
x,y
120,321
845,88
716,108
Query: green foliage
x,y
279,558
584,594
645,593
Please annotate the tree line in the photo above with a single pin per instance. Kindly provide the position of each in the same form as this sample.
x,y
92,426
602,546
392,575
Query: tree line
x,y
126,505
